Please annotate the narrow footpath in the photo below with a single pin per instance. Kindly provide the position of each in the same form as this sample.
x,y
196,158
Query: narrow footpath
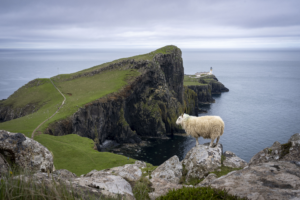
x,y
32,135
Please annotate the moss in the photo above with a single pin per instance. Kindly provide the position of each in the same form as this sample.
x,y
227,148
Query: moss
x,y
270,151
223,170
285,149
122,119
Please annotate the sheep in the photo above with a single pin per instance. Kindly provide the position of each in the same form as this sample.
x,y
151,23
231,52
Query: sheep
x,y
209,127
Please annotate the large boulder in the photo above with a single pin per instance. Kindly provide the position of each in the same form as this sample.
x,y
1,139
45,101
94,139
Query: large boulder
x,y
272,180
287,152
201,160
170,170
131,172
162,187
25,152
233,161
109,185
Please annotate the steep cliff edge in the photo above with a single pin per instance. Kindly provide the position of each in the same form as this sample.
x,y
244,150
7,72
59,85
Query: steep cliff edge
x,y
147,106
205,87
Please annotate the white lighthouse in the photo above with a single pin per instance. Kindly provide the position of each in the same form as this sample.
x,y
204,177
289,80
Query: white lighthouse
x,y
210,71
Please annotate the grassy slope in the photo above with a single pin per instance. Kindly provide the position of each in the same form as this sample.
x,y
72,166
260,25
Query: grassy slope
x,y
76,154
71,151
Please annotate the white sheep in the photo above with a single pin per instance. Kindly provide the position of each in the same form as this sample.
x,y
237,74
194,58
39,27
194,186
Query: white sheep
x,y
208,127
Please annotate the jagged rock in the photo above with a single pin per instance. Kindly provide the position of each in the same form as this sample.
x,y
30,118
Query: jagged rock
x,y
86,187
202,159
288,152
272,180
131,172
162,187
207,181
233,161
63,173
170,170
4,166
25,152
108,184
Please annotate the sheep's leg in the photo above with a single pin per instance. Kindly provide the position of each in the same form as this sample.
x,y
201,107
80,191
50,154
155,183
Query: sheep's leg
x,y
217,141
197,142
212,143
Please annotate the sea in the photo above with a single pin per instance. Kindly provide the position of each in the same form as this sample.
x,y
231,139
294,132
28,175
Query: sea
x,y
262,106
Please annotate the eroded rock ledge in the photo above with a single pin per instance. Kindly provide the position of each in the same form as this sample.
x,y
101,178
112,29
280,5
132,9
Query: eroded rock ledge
x,y
274,179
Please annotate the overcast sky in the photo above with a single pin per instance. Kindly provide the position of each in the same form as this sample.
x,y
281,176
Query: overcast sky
x,y
149,24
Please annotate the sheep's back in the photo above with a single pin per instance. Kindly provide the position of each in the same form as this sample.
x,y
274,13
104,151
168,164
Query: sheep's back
x,y
206,125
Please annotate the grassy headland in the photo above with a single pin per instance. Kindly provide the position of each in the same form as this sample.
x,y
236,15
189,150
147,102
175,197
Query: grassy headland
x,y
71,151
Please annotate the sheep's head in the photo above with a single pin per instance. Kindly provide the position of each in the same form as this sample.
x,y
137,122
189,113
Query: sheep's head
x,y
181,118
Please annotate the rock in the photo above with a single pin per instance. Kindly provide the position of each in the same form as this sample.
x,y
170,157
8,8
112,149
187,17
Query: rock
x,y
287,152
109,185
170,170
263,181
162,187
131,172
202,159
63,173
4,166
207,181
233,161
25,152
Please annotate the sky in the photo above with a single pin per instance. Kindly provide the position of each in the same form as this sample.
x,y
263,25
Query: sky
x,y
102,24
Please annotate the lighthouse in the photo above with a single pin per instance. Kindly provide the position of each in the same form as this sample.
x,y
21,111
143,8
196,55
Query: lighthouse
x,y
210,71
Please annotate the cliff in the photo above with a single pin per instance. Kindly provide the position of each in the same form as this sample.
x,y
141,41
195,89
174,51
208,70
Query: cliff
x,y
205,87
148,106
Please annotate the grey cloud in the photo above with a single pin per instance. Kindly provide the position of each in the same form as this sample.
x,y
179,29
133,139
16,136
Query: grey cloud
x,y
36,21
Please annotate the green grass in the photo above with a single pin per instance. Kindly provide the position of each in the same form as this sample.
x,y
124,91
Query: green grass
x,y
77,155
191,80
72,152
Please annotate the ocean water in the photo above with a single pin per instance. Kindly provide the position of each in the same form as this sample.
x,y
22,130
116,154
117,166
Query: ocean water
x,y
262,106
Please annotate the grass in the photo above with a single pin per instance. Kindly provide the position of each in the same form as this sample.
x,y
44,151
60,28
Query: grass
x,y
77,155
201,193
72,152
191,80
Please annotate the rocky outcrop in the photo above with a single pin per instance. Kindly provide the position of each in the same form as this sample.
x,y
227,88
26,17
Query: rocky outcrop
x,y
148,106
201,160
25,152
162,187
131,172
203,92
284,152
272,180
170,170
210,85
231,160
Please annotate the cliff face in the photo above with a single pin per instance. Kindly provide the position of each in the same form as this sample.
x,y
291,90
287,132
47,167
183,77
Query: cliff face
x,y
7,112
210,86
148,106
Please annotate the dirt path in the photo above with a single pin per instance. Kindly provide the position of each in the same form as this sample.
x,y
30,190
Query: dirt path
x,y
32,135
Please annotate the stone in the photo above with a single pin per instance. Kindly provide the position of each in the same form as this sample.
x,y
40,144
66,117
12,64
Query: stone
x,y
170,170
131,172
272,180
201,160
233,161
63,173
207,181
109,185
25,152
285,152
162,187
